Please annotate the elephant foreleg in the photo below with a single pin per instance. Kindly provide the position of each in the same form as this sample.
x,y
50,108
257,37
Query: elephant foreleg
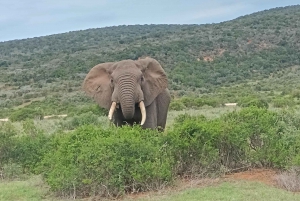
x,y
162,101
151,117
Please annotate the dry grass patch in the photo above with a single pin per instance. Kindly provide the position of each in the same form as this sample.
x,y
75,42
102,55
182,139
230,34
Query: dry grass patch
x,y
289,180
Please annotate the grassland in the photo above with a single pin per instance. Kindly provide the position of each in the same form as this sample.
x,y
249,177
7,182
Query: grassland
x,y
227,191
34,189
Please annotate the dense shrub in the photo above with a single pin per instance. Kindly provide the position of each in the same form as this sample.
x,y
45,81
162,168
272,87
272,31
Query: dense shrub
x,y
93,161
250,137
283,102
30,147
7,133
188,102
80,120
24,150
176,105
296,94
193,146
93,108
260,103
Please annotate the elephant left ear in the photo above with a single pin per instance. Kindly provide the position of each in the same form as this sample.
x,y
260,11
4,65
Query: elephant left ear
x,y
155,79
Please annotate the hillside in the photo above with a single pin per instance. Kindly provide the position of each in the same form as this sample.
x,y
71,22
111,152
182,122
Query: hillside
x,y
199,58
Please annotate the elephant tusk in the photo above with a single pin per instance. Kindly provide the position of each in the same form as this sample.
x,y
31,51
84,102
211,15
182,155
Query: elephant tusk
x,y
143,111
112,109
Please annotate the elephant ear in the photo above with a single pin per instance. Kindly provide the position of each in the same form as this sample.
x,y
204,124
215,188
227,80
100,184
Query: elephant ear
x,y
155,79
97,84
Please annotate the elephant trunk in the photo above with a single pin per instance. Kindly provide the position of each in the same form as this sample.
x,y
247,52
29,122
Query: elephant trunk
x,y
128,109
127,96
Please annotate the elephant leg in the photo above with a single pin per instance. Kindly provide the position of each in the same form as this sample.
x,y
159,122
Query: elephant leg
x,y
151,117
162,101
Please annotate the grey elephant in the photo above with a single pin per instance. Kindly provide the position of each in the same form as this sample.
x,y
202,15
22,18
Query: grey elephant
x,y
132,91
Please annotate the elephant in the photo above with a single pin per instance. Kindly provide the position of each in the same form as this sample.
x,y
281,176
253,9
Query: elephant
x,y
134,91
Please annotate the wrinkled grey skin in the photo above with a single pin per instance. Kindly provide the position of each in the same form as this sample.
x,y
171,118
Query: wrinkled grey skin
x,y
128,83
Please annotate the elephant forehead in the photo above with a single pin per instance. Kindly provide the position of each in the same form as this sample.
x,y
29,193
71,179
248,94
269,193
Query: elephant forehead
x,y
125,63
126,69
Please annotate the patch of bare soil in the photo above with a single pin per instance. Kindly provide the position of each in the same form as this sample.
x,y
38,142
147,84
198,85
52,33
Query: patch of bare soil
x,y
6,119
28,103
266,176
60,115
180,185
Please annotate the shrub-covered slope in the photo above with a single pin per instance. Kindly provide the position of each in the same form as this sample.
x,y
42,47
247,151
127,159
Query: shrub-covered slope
x,y
203,57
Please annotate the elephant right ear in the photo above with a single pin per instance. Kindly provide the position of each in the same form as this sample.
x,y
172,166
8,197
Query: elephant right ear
x,y
97,84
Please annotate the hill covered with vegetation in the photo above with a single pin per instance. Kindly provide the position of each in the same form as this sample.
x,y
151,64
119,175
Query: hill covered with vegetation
x,y
261,49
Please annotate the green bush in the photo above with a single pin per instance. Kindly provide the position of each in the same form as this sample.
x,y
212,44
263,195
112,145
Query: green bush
x,y
187,102
283,102
289,130
248,138
176,105
94,109
193,146
260,103
7,142
296,94
80,120
22,149
95,161
30,147
26,113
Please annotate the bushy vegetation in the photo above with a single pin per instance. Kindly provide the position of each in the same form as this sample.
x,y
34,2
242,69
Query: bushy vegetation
x,y
26,113
283,102
108,162
7,133
24,148
256,102
83,119
252,137
194,102
92,160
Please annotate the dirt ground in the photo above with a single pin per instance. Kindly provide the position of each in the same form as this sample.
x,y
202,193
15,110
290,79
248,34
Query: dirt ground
x,y
266,176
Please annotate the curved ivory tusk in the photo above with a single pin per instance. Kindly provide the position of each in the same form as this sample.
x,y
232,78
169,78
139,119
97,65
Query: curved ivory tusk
x,y
111,110
143,111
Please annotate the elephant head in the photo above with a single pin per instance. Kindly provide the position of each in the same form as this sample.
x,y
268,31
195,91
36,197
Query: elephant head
x,y
125,84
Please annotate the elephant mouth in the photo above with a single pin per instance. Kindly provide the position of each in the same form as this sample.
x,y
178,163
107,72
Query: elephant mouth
x,y
141,105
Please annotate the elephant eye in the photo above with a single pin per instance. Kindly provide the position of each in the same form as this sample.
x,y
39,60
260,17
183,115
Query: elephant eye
x,y
111,81
142,79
